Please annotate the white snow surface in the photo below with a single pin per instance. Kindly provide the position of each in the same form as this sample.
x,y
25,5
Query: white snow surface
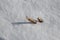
x,y
14,25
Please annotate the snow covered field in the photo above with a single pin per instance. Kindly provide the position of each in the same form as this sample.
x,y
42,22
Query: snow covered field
x,y
15,11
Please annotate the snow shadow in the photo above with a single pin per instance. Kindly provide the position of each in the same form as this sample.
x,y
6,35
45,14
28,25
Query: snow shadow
x,y
2,38
21,23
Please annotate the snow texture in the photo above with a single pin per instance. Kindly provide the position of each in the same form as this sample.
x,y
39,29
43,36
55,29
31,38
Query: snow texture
x,y
15,26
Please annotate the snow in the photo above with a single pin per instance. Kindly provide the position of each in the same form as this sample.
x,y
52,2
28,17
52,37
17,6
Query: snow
x,y
15,26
